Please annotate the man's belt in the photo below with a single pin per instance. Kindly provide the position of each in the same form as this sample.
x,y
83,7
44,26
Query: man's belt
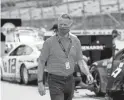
x,y
60,77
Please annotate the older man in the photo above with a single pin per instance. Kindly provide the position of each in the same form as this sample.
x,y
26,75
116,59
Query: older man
x,y
61,52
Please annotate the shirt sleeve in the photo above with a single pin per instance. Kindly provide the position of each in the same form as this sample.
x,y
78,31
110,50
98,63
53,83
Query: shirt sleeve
x,y
79,53
45,52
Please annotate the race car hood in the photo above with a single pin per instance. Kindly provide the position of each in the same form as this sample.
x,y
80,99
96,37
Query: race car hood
x,y
103,62
30,64
39,44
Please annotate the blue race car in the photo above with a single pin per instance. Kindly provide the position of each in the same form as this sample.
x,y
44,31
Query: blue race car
x,y
101,69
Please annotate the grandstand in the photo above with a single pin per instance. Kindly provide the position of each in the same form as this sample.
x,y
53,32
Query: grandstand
x,y
87,14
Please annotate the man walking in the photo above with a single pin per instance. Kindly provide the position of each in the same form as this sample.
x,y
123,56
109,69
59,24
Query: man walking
x,y
61,52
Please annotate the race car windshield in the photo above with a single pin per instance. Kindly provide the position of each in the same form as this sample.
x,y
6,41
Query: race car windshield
x,y
28,36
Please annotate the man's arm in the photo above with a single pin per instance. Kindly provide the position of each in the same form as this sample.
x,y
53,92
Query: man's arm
x,y
42,60
41,67
83,67
41,87
82,64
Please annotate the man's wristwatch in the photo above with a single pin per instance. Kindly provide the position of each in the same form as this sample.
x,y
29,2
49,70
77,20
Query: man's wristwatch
x,y
40,81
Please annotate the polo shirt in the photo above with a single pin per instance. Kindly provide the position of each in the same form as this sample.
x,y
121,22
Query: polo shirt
x,y
55,57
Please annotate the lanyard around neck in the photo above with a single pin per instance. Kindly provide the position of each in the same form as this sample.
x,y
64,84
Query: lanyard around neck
x,y
63,49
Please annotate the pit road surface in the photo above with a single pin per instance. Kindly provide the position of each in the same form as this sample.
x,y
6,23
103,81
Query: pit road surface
x,y
15,91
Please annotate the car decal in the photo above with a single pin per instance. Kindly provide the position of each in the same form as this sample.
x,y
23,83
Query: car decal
x,y
32,61
12,65
117,70
5,66
109,66
104,63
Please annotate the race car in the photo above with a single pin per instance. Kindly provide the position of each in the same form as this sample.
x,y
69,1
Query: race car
x,y
115,85
20,64
100,71
19,35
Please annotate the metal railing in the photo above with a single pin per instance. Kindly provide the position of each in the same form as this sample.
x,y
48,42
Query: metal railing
x,y
77,9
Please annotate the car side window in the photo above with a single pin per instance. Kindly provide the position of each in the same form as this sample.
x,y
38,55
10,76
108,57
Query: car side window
x,y
18,51
27,50
22,50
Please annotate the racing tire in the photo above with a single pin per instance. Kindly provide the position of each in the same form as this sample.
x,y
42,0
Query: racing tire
x,y
1,74
24,75
98,84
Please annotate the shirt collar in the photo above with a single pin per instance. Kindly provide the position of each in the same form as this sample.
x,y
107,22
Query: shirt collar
x,y
66,36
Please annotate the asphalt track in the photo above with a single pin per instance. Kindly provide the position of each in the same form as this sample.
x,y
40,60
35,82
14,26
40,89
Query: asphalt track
x,y
15,91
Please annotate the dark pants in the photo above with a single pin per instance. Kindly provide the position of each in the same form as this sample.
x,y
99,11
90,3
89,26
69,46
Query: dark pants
x,y
61,88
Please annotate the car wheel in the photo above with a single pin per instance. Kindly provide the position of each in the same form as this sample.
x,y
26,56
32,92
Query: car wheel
x,y
97,84
1,74
24,75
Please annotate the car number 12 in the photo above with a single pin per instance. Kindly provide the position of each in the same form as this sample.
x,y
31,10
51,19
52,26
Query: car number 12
x,y
12,65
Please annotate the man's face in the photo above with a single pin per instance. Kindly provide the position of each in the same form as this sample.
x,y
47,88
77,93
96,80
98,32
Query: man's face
x,y
64,25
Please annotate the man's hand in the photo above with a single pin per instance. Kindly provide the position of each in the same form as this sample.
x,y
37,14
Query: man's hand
x,y
41,88
90,78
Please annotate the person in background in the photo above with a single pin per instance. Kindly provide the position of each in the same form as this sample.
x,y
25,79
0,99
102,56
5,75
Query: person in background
x,y
61,52
78,77
54,28
115,34
41,33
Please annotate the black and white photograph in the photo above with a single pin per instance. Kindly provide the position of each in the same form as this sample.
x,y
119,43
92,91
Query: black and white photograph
x,y
62,50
